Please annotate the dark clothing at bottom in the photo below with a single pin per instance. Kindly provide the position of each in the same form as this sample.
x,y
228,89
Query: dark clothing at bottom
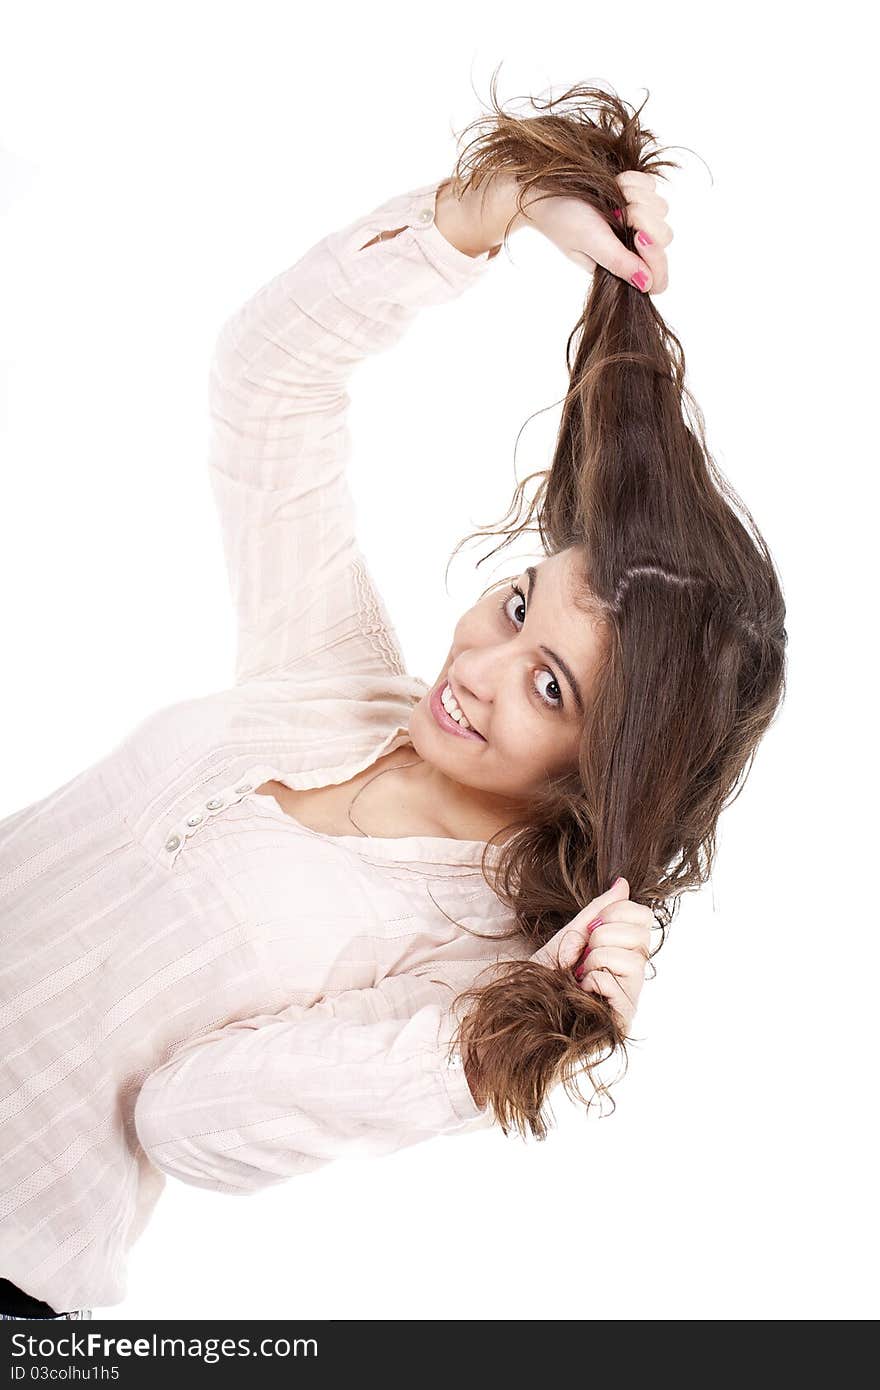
x,y
15,1303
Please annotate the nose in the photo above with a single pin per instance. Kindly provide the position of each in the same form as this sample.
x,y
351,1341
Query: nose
x,y
476,675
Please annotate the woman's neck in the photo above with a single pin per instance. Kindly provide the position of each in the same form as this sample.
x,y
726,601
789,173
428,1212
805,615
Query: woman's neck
x,y
461,813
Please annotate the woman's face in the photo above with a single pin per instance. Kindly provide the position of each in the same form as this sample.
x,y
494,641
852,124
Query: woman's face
x,y
520,667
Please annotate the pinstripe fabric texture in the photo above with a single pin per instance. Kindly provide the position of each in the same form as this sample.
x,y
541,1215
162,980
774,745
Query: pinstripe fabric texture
x,y
195,985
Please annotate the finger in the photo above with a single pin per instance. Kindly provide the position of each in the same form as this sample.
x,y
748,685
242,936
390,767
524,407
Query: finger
x,y
565,947
653,234
645,219
646,210
655,257
651,238
638,914
604,983
606,249
615,984
620,960
651,202
637,183
644,204
628,936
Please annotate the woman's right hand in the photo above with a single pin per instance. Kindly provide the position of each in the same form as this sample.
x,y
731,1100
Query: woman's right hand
x,y
617,934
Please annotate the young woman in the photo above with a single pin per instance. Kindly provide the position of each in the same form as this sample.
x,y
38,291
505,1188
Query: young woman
x,y
243,944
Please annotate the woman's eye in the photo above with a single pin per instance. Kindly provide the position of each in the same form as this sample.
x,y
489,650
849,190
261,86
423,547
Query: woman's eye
x,y
508,609
521,605
555,700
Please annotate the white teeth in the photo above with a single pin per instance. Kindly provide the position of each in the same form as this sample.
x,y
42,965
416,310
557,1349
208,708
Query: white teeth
x,y
452,708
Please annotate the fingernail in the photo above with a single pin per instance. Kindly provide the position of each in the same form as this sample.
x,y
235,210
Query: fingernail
x,y
597,922
580,973
618,214
645,239
640,279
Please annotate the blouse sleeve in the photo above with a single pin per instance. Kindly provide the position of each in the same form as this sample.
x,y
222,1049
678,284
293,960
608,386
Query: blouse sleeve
x,y
280,444
359,1074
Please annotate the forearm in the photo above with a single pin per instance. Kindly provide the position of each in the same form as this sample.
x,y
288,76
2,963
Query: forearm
x,y
352,294
362,1072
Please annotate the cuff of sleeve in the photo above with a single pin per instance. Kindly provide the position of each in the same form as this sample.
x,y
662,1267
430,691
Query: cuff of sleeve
x,y
441,253
453,1075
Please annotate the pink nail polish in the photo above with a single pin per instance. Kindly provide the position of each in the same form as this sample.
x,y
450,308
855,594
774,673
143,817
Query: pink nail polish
x,y
645,239
640,280
618,214
580,973
596,922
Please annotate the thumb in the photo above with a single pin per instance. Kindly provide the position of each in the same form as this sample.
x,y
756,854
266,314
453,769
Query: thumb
x,y
583,234
611,253
605,248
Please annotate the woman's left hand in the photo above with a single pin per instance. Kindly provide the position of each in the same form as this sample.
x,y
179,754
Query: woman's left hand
x,y
583,234
608,959
476,222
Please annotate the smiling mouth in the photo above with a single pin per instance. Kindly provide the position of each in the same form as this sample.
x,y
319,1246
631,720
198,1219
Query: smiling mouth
x,y
445,720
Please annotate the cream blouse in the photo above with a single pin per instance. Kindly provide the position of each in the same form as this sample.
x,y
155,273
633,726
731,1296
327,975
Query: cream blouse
x,y
195,985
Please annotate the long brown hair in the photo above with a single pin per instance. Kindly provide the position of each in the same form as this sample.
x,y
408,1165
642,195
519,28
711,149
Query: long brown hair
x,y
688,601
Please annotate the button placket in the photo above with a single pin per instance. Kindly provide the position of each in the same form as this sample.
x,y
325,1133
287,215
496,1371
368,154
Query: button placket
x,y
201,814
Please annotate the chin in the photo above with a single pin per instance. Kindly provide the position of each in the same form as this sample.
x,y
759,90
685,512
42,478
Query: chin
x,y
418,712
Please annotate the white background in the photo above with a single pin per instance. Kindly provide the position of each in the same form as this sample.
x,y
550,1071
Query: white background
x,y
159,162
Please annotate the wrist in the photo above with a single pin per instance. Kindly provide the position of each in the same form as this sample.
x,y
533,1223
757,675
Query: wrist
x,y
475,222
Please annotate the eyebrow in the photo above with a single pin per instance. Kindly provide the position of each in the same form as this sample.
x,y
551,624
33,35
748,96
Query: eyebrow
x,y
564,668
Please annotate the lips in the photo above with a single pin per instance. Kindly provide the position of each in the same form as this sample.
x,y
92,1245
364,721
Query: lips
x,y
445,721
